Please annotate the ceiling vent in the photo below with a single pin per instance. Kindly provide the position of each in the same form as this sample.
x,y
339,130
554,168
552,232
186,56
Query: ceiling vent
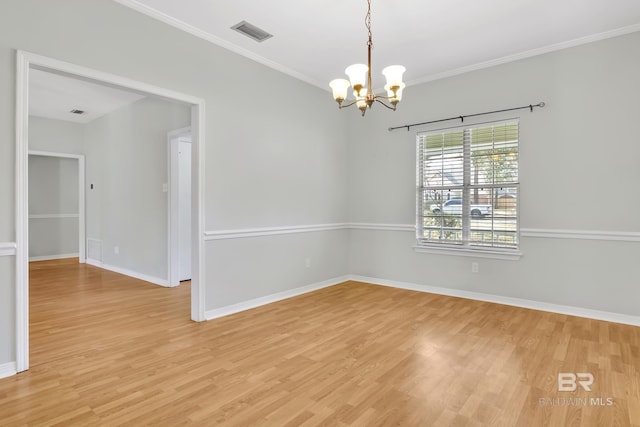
x,y
251,31
78,112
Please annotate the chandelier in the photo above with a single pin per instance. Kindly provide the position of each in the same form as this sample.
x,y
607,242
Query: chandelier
x,y
360,79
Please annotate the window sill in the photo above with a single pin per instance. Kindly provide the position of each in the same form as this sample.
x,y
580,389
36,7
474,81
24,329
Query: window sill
x,y
511,255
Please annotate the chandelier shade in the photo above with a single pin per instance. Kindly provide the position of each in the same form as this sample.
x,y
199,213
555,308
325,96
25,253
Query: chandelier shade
x,y
393,74
360,79
340,88
357,75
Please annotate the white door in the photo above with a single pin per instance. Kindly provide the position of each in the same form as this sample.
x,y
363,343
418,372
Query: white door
x,y
184,207
180,231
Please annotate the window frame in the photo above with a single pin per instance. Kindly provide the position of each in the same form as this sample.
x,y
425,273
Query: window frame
x,y
464,247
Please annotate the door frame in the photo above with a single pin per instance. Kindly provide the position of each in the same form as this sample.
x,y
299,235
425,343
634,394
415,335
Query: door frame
x,y
174,226
24,62
82,253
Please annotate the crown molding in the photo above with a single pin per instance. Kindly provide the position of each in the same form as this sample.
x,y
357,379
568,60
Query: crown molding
x,y
528,54
194,31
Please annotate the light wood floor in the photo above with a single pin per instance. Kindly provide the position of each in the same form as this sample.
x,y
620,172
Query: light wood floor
x,y
110,350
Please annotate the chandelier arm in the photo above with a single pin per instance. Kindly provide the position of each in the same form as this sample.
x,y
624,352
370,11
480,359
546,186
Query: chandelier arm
x,y
347,105
384,96
385,104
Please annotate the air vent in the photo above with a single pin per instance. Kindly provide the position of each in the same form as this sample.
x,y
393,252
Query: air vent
x,y
78,112
252,31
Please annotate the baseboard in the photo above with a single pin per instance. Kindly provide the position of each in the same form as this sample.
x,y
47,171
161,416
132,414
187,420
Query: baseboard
x,y
8,369
130,273
268,299
498,299
53,257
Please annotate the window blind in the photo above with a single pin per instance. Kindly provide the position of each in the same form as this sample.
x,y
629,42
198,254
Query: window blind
x,y
468,186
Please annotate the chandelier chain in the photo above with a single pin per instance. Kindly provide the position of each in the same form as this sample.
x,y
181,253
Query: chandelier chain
x,y
367,22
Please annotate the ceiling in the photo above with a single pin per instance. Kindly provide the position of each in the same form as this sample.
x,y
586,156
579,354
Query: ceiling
x,y
53,96
314,40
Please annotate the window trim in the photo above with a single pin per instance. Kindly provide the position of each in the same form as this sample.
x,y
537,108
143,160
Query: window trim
x,y
465,248
467,251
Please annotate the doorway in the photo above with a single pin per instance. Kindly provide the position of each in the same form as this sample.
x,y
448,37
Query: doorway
x,y
42,207
27,61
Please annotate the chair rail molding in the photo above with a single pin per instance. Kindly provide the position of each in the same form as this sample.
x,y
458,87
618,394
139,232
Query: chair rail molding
x,y
54,216
272,231
625,236
238,233
7,248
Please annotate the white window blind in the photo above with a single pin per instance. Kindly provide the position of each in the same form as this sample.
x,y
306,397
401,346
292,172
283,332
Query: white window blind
x,y
467,186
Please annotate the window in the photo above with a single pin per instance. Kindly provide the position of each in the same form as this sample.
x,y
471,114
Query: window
x,y
467,187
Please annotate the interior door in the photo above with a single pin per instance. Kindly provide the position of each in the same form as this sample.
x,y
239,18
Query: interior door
x,y
184,207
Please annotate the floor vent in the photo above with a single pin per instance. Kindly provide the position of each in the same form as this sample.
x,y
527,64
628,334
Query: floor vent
x,y
251,31
94,249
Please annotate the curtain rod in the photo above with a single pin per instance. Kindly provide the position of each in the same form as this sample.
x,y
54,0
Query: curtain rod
x,y
530,107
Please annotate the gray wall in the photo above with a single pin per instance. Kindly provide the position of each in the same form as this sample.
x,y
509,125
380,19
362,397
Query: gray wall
x,y
579,171
126,161
8,312
53,198
55,135
270,160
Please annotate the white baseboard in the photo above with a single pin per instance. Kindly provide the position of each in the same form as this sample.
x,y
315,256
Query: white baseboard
x,y
52,257
8,369
498,299
130,273
268,299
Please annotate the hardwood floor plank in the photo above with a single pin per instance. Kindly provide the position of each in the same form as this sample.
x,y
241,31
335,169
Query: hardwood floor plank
x,y
110,350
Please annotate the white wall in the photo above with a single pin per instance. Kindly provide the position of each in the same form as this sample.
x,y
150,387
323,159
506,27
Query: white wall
x,y
579,171
126,161
53,207
270,160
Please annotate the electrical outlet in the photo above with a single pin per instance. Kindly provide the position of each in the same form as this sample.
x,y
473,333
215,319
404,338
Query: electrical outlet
x,y
475,267
116,250
307,262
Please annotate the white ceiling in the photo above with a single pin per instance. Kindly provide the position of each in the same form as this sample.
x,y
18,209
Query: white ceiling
x,y
53,96
314,40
